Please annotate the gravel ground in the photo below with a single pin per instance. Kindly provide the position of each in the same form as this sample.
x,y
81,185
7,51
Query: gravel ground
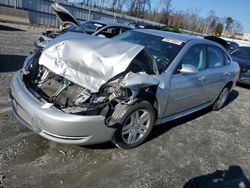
x,y
205,149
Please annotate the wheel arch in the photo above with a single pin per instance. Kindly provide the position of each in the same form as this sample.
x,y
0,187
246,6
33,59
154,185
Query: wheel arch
x,y
229,85
148,94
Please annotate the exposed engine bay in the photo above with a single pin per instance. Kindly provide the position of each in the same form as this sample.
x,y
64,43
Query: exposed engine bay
x,y
72,98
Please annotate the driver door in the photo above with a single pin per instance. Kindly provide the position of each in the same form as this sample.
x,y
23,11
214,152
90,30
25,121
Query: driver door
x,y
187,89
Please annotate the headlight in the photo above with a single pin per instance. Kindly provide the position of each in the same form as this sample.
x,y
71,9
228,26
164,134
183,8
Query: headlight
x,y
27,63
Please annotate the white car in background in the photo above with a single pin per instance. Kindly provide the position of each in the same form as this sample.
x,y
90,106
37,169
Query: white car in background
x,y
70,24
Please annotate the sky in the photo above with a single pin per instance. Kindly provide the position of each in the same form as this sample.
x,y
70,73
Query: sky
x,y
237,9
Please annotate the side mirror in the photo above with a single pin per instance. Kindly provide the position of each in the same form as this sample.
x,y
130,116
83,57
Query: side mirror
x,y
188,69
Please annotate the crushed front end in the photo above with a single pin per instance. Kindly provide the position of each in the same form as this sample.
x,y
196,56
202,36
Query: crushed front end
x,y
58,109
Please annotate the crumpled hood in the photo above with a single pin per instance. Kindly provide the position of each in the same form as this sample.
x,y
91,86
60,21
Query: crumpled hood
x,y
86,60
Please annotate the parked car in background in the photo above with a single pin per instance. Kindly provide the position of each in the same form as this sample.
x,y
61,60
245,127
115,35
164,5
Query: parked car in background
x,y
83,89
228,45
144,26
231,46
70,24
155,27
242,56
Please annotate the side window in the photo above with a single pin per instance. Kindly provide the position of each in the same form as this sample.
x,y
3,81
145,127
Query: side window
x,y
110,32
215,57
124,29
195,56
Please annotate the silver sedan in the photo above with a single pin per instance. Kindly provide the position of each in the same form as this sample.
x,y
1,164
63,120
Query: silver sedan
x,y
83,89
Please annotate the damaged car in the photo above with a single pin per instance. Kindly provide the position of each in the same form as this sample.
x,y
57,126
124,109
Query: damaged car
x,y
70,24
85,90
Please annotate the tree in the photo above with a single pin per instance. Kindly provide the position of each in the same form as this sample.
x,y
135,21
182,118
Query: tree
x,y
218,29
209,22
166,10
138,8
117,5
229,21
236,26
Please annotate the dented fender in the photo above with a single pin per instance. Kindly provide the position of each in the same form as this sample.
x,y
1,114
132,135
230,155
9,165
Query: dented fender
x,y
136,81
140,79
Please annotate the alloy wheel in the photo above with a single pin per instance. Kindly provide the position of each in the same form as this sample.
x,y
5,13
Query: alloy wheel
x,y
136,126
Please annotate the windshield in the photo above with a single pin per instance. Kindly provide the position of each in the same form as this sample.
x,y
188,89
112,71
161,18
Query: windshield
x,y
164,50
242,52
88,26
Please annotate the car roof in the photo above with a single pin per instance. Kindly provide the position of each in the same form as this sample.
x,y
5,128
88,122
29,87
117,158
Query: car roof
x,y
166,34
106,23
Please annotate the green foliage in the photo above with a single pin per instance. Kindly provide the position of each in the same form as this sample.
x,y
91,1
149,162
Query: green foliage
x,y
229,21
171,29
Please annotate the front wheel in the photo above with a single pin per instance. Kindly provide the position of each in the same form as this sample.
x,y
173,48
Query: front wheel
x,y
222,98
134,123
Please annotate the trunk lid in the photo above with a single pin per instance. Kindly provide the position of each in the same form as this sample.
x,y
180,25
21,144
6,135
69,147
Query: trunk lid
x,y
64,15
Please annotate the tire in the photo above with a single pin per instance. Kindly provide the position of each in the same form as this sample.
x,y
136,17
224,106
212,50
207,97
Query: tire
x,y
222,98
134,124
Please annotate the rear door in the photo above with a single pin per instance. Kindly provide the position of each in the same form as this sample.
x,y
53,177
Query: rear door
x,y
187,90
217,72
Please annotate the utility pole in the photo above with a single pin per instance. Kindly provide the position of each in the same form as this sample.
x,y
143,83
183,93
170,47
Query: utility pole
x,y
15,4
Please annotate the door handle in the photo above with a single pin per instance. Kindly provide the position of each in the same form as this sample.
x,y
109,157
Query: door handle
x,y
202,78
226,74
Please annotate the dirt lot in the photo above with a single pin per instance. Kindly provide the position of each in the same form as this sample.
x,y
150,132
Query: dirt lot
x,y
212,147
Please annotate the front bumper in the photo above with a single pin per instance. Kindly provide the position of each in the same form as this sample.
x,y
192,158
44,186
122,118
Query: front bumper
x,y
54,124
244,78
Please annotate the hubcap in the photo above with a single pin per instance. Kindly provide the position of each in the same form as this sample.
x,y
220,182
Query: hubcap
x,y
136,126
223,97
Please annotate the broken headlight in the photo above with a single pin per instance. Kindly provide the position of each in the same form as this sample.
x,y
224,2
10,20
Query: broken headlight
x,y
27,63
30,62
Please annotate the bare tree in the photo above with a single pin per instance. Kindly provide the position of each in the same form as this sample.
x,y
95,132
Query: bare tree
x,y
117,5
237,26
166,10
209,22
138,8
164,13
86,2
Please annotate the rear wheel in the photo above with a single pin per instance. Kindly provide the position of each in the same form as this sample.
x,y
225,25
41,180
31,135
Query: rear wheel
x,y
134,123
222,98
